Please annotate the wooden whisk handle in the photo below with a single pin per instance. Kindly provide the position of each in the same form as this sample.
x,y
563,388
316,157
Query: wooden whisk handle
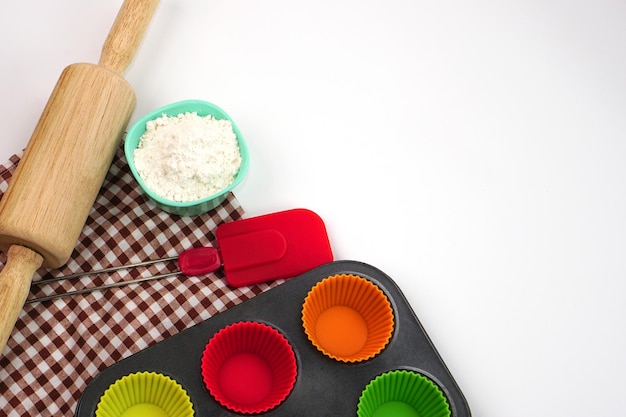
x,y
15,280
126,34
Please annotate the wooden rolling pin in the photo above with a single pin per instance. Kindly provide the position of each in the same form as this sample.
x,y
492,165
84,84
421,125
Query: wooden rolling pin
x,y
65,162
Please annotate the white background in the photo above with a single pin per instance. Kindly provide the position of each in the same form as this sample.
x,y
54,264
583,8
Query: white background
x,y
473,150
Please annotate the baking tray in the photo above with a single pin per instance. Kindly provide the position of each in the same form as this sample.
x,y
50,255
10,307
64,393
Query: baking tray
x,y
324,387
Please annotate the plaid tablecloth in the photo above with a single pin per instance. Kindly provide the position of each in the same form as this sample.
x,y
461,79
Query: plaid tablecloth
x,y
57,347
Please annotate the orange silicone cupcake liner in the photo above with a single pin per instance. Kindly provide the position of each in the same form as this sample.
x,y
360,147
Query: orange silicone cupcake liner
x,y
347,318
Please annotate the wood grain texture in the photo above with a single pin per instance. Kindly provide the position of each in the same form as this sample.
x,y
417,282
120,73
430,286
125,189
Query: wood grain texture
x,y
66,160
15,280
126,34
72,146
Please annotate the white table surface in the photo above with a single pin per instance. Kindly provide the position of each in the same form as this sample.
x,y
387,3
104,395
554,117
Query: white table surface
x,y
474,151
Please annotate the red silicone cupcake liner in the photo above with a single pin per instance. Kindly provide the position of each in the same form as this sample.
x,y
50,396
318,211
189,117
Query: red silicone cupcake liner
x,y
249,367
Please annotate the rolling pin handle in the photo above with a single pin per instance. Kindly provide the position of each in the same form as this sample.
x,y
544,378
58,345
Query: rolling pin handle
x,y
126,34
15,280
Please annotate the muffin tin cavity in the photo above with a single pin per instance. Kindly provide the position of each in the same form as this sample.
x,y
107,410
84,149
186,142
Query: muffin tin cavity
x,y
267,356
348,318
145,394
249,367
402,393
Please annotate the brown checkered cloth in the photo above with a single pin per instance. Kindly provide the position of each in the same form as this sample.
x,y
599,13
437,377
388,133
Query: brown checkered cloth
x,y
57,347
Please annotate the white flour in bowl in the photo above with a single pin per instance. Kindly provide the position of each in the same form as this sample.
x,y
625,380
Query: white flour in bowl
x,y
187,157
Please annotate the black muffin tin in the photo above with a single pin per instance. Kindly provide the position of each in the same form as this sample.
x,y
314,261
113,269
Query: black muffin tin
x,y
324,387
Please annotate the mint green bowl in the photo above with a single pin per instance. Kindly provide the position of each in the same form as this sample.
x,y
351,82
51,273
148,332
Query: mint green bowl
x,y
187,208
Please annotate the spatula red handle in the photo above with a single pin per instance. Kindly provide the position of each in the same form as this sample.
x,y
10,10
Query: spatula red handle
x,y
199,261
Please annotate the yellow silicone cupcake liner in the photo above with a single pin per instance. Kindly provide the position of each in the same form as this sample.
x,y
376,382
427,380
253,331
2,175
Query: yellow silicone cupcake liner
x,y
348,318
145,394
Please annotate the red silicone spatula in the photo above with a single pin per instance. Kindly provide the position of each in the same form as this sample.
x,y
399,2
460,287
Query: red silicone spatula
x,y
273,246
259,249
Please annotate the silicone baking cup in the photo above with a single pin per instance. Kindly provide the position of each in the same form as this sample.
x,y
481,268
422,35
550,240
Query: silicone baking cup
x,y
348,318
249,367
402,393
145,394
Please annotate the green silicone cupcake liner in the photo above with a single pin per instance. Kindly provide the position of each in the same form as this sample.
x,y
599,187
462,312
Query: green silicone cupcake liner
x,y
402,393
